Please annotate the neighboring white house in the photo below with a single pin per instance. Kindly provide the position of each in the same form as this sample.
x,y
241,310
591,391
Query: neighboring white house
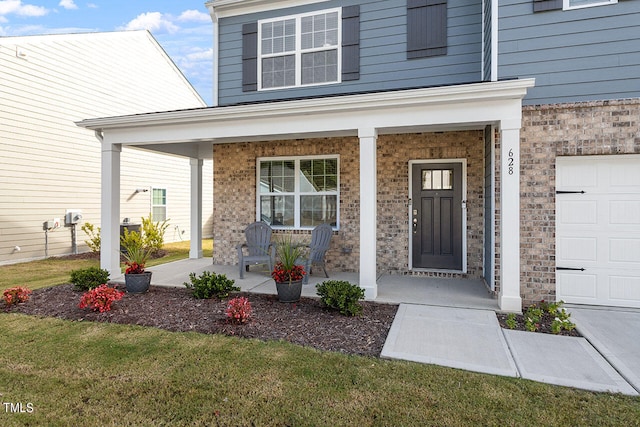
x,y
48,165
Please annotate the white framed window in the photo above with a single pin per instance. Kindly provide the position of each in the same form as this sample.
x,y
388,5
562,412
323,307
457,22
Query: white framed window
x,y
579,4
158,204
299,50
298,192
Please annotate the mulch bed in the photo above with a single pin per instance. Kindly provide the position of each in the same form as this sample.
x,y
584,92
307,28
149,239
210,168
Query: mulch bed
x,y
544,325
306,322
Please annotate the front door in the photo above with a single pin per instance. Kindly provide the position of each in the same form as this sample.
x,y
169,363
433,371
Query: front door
x,y
436,215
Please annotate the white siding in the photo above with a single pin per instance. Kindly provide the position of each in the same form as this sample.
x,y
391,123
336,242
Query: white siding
x,y
48,164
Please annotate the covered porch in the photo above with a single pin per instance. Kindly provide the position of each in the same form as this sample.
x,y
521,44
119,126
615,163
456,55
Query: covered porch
x,y
193,133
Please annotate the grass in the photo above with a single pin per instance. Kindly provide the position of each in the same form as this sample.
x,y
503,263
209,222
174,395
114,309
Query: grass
x,y
81,373
56,271
95,374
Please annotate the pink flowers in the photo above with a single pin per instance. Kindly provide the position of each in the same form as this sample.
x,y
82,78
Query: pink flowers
x,y
16,294
239,310
134,268
100,298
282,275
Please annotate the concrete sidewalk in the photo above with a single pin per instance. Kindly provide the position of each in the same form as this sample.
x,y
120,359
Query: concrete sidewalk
x,y
473,340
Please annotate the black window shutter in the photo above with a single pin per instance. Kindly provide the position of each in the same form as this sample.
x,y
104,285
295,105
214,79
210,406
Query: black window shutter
x,y
426,28
350,43
250,57
543,5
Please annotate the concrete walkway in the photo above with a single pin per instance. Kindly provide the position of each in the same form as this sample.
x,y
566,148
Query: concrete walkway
x,y
452,323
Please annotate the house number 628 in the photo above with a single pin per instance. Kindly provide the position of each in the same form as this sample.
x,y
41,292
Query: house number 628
x,y
510,162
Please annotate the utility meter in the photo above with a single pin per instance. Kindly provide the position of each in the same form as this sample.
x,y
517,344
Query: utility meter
x,y
73,216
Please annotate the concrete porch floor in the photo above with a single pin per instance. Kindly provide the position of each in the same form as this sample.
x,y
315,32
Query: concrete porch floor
x,y
461,293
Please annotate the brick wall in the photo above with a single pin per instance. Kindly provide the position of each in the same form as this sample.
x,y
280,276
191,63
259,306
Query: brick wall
x,y
235,193
548,131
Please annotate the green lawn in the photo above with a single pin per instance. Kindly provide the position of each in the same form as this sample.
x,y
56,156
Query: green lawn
x,y
55,271
96,374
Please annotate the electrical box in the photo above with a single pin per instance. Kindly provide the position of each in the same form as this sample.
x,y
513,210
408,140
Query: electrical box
x,y
73,216
51,224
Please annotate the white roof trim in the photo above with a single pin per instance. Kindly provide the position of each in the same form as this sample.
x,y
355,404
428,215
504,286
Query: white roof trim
x,y
511,89
226,8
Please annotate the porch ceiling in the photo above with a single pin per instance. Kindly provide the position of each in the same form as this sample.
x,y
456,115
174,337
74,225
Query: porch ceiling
x,y
191,133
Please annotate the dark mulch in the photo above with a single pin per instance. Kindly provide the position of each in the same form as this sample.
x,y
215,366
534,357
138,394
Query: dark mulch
x,y
305,323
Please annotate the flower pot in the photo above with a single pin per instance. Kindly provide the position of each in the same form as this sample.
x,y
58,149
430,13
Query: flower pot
x,y
289,292
137,283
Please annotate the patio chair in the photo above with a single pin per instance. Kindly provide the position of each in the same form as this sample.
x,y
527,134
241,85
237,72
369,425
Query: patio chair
x,y
259,249
320,241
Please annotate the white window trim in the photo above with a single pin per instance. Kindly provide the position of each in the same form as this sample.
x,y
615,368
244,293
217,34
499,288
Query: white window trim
x,y
566,5
166,204
298,49
297,193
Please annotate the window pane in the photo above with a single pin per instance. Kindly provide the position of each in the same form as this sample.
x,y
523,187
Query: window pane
x,y
278,71
318,175
159,213
277,176
277,210
437,179
318,210
319,67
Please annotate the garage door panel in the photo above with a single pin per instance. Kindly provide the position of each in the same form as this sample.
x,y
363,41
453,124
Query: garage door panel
x,y
624,289
598,230
577,286
579,212
578,249
624,251
624,212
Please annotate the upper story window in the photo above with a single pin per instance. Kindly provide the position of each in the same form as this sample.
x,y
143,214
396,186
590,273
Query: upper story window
x,y
299,50
575,4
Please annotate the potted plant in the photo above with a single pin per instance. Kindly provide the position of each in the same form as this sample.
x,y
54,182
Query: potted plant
x,y
136,279
287,273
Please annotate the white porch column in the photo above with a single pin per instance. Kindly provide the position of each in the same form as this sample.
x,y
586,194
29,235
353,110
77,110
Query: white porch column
x,y
509,298
368,211
110,209
196,208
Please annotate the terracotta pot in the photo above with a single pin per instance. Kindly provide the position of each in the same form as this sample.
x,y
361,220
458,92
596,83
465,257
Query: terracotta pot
x,y
289,292
137,283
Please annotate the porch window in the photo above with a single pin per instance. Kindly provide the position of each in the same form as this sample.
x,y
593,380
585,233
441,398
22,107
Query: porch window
x,y
299,50
299,192
159,204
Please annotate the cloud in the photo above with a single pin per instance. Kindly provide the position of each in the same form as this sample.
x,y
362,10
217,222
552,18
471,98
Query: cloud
x,y
152,21
67,4
194,16
92,5
16,7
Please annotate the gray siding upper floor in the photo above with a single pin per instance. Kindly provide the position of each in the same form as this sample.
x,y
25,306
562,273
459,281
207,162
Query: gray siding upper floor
x,y
574,55
383,51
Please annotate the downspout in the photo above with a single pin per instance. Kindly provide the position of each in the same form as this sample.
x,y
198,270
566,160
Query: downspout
x,y
216,52
494,40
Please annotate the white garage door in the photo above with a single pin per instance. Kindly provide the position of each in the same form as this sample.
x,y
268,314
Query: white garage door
x,y
598,230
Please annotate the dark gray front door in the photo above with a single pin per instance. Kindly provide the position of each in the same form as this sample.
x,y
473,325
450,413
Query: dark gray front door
x,y
437,215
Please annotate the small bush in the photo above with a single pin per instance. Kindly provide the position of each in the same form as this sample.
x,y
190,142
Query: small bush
x,y
89,278
239,310
100,299
94,236
341,295
153,234
16,294
210,285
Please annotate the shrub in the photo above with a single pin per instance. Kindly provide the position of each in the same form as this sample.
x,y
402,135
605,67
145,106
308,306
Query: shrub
x,y
94,236
341,295
534,314
89,278
16,294
100,298
210,285
239,310
153,234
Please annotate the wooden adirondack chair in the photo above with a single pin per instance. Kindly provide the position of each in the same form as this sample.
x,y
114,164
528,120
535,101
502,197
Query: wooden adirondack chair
x,y
259,249
320,241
